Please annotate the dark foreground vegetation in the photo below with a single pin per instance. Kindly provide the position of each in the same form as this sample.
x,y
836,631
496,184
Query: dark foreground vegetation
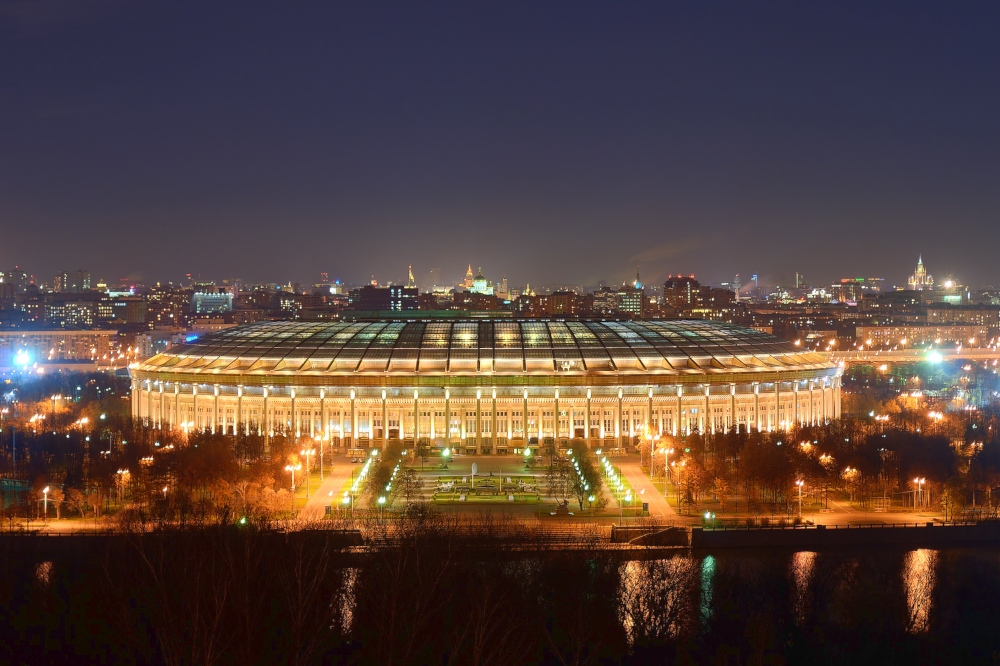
x,y
431,596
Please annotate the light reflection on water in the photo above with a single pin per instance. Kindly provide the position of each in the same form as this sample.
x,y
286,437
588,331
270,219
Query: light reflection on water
x,y
803,565
919,579
707,589
653,597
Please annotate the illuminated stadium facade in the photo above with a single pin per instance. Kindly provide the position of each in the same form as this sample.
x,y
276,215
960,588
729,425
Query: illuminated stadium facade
x,y
485,385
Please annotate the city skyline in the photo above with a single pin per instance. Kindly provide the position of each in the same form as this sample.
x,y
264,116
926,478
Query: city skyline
x,y
561,146
436,277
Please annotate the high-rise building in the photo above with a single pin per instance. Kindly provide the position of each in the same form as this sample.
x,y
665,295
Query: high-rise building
x,y
71,281
210,299
469,278
920,280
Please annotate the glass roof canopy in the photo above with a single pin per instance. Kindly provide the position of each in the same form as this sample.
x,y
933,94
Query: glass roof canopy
x,y
499,346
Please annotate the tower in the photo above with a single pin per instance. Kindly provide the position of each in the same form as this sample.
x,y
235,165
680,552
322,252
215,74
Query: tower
x,y
410,282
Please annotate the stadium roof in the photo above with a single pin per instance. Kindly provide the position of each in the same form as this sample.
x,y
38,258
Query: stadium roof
x,y
500,346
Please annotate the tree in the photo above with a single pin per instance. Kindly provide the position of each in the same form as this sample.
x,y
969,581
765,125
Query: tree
x,y
56,497
76,501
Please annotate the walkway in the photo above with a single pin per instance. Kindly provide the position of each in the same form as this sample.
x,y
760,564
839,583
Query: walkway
x,y
339,472
658,506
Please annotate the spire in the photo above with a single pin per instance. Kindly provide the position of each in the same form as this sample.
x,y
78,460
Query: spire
x,y
410,282
638,283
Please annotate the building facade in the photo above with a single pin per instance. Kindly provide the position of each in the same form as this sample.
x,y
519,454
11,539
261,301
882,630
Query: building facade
x,y
485,385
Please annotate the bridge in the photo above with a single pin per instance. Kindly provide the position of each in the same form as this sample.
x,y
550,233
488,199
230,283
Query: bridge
x,y
878,357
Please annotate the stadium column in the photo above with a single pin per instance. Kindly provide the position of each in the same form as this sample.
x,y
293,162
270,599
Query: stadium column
x,y
215,408
649,414
524,420
295,417
324,425
177,407
135,398
555,413
416,419
447,418
159,417
479,421
756,405
149,403
354,422
812,403
825,395
194,407
777,407
385,422
267,416
795,396
618,422
709,422
239,426
732,408
586,420
493,425
677,415
836,397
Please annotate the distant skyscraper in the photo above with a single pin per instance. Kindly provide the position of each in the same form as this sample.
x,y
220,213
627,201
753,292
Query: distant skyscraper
x,y
72,281
410,282
920,280
469,278
504,290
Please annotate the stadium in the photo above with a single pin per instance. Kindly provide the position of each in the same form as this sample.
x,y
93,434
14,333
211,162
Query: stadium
x,y
485,385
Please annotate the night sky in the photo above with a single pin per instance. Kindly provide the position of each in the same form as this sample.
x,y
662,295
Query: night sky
x,y
552,142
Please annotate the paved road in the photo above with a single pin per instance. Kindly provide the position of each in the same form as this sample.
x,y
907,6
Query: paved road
x,y
337,474
658,505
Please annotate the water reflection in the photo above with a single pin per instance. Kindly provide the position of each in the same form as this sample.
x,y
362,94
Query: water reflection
x,y
707,587
348,598
654,598
918,581
802,566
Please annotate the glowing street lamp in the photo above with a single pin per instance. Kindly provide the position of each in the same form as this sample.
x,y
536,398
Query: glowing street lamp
x,y
293,469
381,506
307,453
45,495
919,483
800,483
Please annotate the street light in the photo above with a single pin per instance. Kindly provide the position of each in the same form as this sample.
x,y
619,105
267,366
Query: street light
x,y
292,469
919,497
381,505
800,483
307,453
45,494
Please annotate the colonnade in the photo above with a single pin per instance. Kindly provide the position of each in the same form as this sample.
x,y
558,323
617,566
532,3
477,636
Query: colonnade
x,y
486,419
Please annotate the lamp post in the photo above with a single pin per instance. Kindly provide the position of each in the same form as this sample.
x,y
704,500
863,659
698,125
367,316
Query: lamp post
x,y
320,442
45,495
666,467
307,453
292,469
919,493
800,483
679,468
381,507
